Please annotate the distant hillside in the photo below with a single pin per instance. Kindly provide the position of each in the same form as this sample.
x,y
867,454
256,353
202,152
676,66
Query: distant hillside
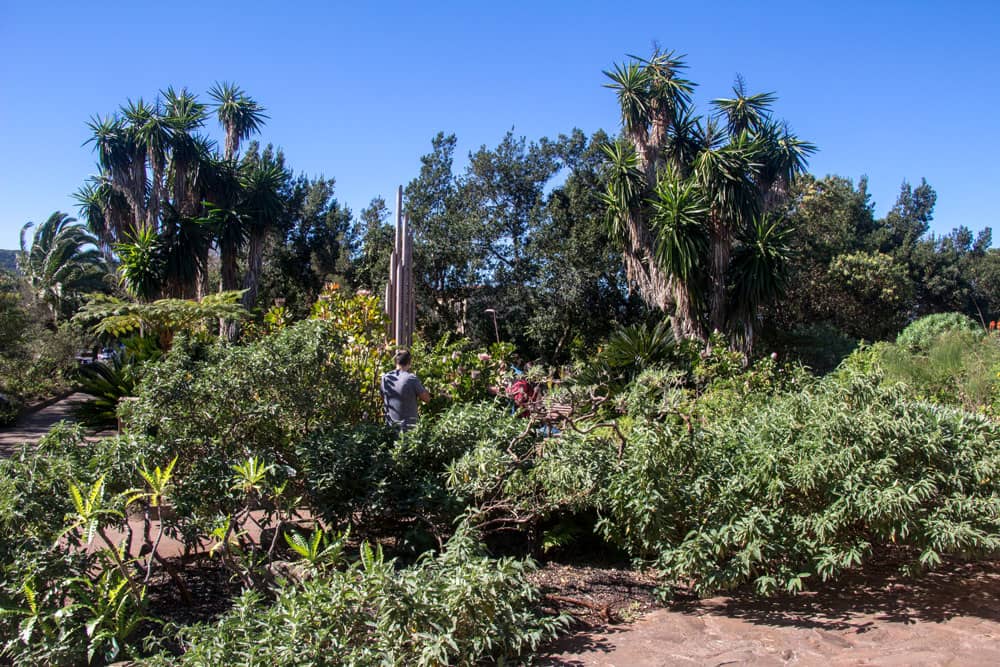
x,y
7,260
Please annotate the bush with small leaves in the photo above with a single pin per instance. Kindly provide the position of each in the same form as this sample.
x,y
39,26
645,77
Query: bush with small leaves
x,y
458,608
807,485
920,335
956,367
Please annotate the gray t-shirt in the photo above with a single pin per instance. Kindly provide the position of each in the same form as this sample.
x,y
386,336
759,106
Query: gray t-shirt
x,y
400,390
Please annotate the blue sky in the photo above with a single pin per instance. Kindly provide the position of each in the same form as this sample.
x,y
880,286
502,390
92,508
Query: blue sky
x,y
355,91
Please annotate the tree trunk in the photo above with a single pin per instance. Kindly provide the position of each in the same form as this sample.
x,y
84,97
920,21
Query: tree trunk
x,y
721,240
202,289
641,269
683,322
230,281
255,262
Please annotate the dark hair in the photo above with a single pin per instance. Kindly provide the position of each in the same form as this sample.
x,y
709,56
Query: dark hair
x,y
402,358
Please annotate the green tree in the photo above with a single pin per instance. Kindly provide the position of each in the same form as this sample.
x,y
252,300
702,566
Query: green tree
x,y
579,294
312,244
376,239
875,294
61,264
685,191
908,220
830,217
447,262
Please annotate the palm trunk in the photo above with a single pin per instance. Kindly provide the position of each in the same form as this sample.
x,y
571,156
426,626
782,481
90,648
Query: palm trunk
x,y
255,262
721,242
683,322
230,281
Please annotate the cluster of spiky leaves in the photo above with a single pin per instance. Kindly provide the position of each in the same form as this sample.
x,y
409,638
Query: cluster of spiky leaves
x,y
685,192
61,263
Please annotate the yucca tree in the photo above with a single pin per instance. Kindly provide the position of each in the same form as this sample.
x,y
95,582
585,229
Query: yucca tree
x,y
158,172
62,263
759,271
262,204
141,265
677,219
685,191
106,211
238,113
185,243
652,96
188,150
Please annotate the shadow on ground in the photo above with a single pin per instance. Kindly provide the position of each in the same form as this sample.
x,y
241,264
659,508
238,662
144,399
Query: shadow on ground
x,y
875,617
961,589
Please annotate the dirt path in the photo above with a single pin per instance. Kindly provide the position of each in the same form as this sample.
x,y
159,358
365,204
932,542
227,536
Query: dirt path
x,y
947,618
33,426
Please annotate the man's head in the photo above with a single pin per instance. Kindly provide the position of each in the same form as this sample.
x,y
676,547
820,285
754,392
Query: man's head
x,y
403,359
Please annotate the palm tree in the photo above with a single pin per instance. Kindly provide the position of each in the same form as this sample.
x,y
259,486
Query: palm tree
x,y
238,113
159,173
685,192
262,204
62,263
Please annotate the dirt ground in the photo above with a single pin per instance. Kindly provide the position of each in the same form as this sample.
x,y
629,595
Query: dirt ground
x,y
950,617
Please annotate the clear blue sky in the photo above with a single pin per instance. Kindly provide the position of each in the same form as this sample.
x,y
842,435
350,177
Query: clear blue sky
x,y
355,91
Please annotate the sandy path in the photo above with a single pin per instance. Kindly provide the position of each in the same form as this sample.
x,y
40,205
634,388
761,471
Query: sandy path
x,y
946,618
33,426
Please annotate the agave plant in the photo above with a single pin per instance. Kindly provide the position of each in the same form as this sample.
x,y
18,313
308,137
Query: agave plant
x,y
628,352
109,382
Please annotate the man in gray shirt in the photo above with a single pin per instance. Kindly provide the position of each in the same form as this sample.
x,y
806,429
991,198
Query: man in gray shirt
x,y
400,390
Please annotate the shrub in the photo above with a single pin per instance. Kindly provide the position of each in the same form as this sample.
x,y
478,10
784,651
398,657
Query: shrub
x,y
956,367
373,475
10,408
457,372
819,346
364,352
921,334
342,467
60,604
808,484
219,404
459,608
41,364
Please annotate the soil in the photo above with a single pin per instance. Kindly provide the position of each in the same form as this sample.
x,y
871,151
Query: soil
x,y
210,585
596,596
877,617
948,617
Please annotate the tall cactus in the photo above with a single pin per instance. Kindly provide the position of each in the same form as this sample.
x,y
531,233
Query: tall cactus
x,y
400,306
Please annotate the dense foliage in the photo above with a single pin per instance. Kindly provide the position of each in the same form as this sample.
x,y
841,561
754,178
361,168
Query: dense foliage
x,y
252,428
807,484
36,356
457,608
